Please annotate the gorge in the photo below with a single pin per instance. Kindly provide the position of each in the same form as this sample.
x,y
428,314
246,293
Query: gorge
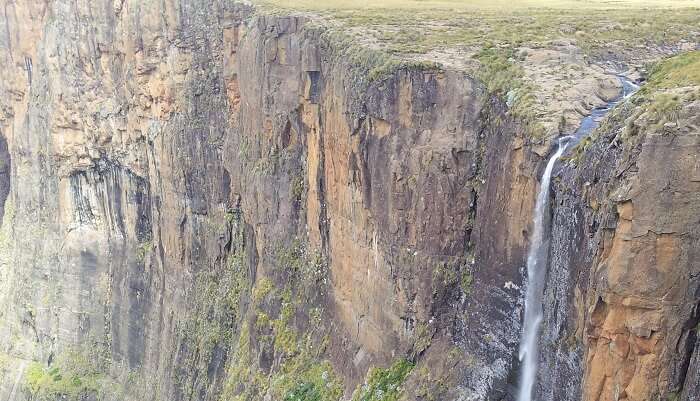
x,y
219,200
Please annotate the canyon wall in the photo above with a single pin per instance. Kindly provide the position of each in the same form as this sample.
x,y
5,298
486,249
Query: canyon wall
x,y
204,202
623,287
163,154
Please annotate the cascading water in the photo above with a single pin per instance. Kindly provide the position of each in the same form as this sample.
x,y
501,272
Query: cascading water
x,y
539,248
536,268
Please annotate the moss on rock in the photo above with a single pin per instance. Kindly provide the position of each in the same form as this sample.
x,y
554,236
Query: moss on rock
x,y
75,374
384,384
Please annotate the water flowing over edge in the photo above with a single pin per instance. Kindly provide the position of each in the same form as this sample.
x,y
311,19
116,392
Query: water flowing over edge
x,y
528,353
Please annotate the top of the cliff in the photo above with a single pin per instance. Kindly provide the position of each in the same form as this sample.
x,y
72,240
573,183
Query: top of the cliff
x,y
552,60
436,29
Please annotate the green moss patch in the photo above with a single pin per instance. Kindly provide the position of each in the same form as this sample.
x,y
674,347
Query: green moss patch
x,y
675,72
281,349
74,375
305,378
218,302
384,384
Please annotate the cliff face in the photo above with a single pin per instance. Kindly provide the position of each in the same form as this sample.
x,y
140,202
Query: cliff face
x,y
169,157
623,285
113,112
205,203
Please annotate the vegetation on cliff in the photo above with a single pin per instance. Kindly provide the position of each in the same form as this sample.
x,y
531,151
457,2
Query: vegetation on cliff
x,y
75,374
384,384
663,102
288,333
675,72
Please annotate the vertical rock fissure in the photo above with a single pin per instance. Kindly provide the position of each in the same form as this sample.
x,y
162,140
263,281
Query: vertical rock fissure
x,y
690,357
323,223
5,174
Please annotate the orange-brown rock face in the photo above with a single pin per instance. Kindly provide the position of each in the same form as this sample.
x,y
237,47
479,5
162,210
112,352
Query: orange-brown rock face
x,y
388,171
644,306
107,126
637,318
168,154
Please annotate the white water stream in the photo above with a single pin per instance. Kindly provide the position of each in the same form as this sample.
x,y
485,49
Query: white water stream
x,y
539,249
536,269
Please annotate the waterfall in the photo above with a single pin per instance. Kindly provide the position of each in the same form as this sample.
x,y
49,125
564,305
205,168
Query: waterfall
x,y
536,269
539,248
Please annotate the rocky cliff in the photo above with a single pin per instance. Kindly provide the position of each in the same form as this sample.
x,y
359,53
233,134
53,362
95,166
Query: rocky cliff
x,y
624,276
206,201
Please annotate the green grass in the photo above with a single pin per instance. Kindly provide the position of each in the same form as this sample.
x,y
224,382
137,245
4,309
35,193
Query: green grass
x,y
473,4
73,376
504,78
418,27
384,384
672,83
679,71
490,39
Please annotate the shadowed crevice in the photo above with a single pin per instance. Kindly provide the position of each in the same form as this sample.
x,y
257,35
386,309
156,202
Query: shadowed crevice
x,y
5,170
